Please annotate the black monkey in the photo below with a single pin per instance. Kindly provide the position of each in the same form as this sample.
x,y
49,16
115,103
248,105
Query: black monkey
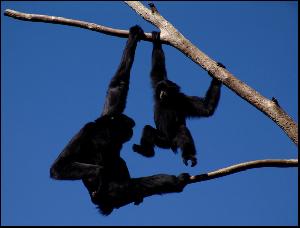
x,y
93,154
171,109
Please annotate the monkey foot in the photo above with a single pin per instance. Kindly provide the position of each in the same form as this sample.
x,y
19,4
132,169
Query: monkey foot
x,y
137,30
145,151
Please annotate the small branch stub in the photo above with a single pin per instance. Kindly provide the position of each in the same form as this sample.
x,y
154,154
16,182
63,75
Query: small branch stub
x,y
153,8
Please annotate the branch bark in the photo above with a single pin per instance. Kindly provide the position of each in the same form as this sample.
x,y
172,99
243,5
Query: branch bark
x,y
171,36
71,22
280,163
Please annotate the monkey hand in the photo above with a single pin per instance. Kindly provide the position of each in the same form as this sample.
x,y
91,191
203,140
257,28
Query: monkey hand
x,y
156,36
184,178
137,31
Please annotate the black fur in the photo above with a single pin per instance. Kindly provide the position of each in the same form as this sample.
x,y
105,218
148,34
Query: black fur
x,y
118,194
93,154
171,109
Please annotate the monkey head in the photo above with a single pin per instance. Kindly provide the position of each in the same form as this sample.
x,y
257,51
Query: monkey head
x,y
166,92
118,128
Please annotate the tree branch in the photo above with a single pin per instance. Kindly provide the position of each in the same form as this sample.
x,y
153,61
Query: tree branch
x,y
170,36
71,22
280,163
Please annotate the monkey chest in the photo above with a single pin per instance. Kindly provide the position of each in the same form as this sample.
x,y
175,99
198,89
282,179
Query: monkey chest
x,y
167,121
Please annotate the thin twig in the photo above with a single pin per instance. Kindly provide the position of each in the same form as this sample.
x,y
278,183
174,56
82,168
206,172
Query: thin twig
x,y
71,22
279,163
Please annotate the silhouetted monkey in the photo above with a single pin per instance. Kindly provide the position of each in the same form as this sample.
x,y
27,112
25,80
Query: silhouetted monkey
x,y
93,154
171,108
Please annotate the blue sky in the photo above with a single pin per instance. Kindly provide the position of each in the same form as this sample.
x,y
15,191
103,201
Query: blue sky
x,y
54,79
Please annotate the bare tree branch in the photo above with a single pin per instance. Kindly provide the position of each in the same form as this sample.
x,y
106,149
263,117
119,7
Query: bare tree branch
x,y
169,35
282,163
71,22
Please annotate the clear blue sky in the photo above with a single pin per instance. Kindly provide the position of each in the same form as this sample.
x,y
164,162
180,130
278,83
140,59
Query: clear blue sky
x,y
54,79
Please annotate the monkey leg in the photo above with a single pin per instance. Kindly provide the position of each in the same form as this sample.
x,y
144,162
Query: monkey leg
x,y
150,138
185,142
115,171
73,171
119,194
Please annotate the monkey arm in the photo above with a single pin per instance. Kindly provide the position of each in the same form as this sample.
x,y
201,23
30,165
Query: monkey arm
x,y
69,165
118,88
158,71
204,107
73,171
